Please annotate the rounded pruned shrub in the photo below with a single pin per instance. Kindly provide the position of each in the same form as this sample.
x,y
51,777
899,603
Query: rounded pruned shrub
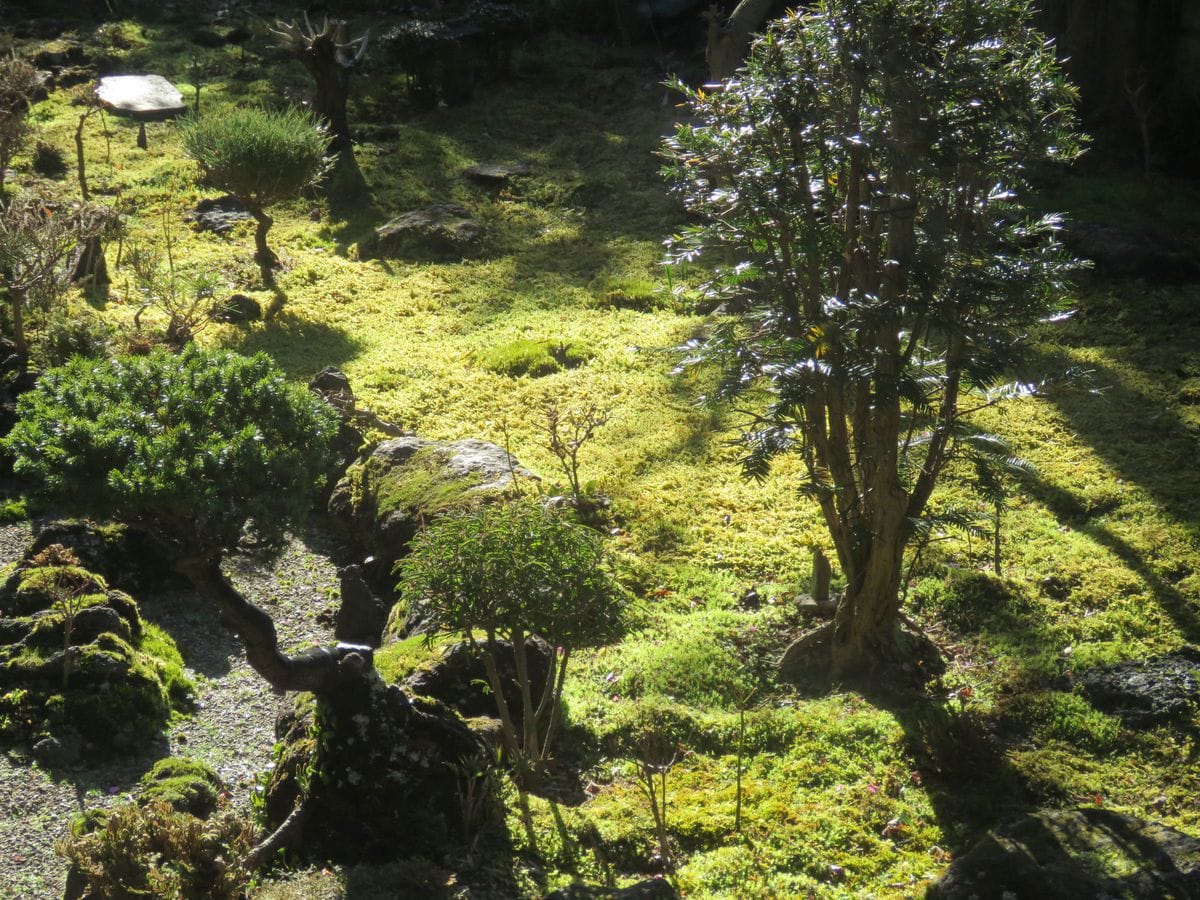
x,y
509,572
189,447
261,156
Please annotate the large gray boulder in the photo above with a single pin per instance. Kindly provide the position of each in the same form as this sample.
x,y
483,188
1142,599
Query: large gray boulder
x,y
1075,855
408,482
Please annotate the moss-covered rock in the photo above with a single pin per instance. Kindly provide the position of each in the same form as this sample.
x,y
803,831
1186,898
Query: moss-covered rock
x,y
188,785
406,482
1076,853
80,672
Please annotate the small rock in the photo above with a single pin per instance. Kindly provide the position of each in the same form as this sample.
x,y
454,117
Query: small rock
x,y
334,387
496,174
443,231
1146,692
219,214
238,308
361,616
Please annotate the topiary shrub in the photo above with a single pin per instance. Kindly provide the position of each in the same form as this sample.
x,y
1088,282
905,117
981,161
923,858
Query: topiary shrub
x,y
509,572
260,156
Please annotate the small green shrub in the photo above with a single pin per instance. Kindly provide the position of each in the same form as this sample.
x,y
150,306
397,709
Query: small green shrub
x,y
48,161
68,336
513,571
13,510
534,359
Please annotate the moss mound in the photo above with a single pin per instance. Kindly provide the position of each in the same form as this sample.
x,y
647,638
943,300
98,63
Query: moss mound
x,y
188,785
79,666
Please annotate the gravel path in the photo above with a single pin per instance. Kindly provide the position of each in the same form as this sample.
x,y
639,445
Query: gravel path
x,y
232,729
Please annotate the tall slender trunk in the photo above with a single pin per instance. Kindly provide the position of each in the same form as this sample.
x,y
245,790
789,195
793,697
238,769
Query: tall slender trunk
x,y
16,307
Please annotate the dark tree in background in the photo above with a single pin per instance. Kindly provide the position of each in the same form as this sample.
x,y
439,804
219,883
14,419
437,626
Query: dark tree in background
x,y
330,55
860,186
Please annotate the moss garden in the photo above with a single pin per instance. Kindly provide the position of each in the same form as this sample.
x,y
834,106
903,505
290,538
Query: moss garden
x,y
505,568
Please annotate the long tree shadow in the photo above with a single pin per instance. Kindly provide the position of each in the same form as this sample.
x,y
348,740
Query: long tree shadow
x,y
1148,445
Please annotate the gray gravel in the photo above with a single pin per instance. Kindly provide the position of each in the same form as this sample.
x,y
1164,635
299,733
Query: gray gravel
x,y
232,729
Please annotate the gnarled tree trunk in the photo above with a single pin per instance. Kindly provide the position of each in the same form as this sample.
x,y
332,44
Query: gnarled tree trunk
x,y
309,671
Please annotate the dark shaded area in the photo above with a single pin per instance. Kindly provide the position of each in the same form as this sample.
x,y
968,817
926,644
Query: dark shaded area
x,y
1148,692
1137,64
1070,854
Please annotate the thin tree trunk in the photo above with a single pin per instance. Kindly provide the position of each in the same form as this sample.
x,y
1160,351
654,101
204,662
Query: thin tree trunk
x,y
16,306
528,713
507,727
263,254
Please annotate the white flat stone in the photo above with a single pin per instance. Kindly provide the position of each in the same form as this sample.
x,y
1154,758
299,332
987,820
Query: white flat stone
x,y
140,96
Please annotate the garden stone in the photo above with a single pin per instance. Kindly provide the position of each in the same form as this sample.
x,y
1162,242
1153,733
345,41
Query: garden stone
x,y
60,750
219,215
444,231
142,97
1071,854
1144,693
88,624
238,308
650,889
334,387
496,174
361,616
408,482
459,679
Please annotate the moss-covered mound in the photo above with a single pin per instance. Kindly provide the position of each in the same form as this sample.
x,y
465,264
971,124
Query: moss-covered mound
x,y
80,672
188,785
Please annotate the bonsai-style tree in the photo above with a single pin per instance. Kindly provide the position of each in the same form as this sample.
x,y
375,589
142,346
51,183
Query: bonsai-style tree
x,y
860,186
510,572
18,81
190,449
260,156
195,450
37,240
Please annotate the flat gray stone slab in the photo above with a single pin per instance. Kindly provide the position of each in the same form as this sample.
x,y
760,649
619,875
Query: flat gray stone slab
x,y
496,173
141,97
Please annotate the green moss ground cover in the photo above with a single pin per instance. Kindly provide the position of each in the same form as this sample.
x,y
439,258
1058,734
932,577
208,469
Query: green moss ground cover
x,y
841,795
